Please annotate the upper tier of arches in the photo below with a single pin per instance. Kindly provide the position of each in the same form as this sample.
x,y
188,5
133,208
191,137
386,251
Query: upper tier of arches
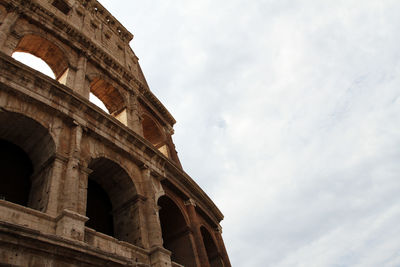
x,y
85,76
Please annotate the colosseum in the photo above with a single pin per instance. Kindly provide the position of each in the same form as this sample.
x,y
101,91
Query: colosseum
x,y
80,186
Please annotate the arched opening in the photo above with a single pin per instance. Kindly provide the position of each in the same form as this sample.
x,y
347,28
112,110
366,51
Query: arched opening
x,y
110,98
212,251
175,233
16,169
34,62
95,100
154,135
26,160
42,48
99,209
110,206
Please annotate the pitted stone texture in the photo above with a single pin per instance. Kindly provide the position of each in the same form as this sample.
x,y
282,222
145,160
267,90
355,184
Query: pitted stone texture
x,y
71,144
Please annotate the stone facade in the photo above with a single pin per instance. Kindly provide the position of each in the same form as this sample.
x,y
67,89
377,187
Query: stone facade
x,y
79,186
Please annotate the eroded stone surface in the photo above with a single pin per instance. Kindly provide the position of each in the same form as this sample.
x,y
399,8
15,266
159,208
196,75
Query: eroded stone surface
x,y
124,163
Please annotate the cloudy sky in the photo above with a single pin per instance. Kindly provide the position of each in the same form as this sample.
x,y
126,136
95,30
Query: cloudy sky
x,y
288,117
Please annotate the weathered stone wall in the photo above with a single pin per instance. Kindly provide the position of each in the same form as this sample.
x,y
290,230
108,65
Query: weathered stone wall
x,y
129,153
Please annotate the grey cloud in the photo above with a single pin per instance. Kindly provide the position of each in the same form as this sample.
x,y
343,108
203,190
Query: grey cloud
x,y
293,109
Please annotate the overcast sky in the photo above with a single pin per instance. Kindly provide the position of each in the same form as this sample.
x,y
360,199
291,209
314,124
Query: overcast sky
x,y
288,117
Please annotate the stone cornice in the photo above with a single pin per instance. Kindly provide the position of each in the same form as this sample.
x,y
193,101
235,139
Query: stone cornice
x,y
102,13
71,214
157,103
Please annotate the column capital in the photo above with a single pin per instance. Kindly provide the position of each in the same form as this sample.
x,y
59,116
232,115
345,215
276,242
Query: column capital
x,y
190,202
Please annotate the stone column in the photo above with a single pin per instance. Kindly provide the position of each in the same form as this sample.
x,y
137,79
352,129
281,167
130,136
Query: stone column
x,y
55,183
80,76
221,247
153,221
159,256
83,187
133,115
72,176
140,214
6,26
195,226
70,223
58,167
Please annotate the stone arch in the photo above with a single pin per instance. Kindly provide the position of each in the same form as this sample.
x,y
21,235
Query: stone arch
x,y
44,119
159,191
176,232
153,133
111,185
109,94
50,52
213,255
132,170
27,140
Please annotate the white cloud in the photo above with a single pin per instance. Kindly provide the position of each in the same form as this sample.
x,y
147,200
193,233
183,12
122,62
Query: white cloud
x,y
292,107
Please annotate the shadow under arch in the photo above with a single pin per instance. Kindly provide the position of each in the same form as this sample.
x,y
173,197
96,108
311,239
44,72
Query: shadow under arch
x,y
46,50
29,152
176,232
152,132
213,256
111,196
109,96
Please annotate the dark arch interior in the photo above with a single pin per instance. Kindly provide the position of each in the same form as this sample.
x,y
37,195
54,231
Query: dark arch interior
x,y
26,151
211,248
109,201
29,135
175,233
99,209
151,131
16,169
153,134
